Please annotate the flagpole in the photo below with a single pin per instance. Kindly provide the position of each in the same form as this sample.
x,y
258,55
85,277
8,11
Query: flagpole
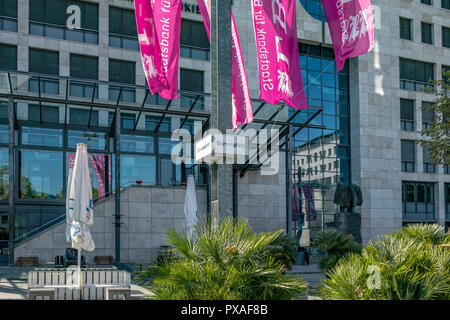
x,y
221,104
79,272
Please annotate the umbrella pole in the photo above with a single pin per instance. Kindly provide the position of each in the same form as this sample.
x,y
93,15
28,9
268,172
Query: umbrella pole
x,y
79,271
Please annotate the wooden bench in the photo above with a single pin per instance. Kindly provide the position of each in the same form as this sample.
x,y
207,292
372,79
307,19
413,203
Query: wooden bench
x,y
97,283
103,260
41,292
27,261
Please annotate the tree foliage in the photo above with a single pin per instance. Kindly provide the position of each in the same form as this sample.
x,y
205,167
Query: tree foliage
x,y
284,250
225,262
333,244
411,265
436,136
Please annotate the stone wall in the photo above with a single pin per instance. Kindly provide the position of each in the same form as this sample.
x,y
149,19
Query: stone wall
x,y
375,115
147,214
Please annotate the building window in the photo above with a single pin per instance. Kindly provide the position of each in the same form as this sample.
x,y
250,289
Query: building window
x,y
427,33
152,123
122,29
408,155
405,29
445,4
122,72
428,166
165,145
43,113
194,40
41,175
193,82
93,140
47,137
83,67
4,134
418,201
45,62
81,117
127,120
446,37
8,15
427,115
407,114
136,144
429,2
8,57
48,18
415,75
134,168
445,76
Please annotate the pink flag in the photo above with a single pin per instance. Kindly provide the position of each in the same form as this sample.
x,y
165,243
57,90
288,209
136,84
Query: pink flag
x,y
98,163
167,15
351,27
275,27
148,42
242,103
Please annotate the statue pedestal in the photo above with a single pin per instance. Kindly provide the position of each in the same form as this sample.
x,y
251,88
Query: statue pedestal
x,y
350,223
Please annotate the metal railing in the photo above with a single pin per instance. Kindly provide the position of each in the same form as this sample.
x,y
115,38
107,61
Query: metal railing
x,y
58,219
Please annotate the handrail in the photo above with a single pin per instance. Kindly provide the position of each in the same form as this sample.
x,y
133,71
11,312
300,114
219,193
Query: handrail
x,y
56,220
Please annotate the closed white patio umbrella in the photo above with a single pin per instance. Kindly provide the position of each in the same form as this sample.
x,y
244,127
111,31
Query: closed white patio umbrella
x,y
79,206
190,206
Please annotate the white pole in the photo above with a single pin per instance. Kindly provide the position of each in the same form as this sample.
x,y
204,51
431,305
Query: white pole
x,y
79,271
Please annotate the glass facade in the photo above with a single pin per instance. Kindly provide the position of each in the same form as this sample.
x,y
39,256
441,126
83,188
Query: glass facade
x,y
321,157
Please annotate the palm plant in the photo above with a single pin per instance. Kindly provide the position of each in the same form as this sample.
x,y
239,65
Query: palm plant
x,y
223,262
411,267
332,245
284,250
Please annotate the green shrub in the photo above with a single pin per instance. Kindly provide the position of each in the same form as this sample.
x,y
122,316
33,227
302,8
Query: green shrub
x,y
225,262
332,245
411,265
284,250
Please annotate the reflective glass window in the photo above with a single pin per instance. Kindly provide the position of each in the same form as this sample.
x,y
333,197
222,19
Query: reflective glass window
x,y
41,175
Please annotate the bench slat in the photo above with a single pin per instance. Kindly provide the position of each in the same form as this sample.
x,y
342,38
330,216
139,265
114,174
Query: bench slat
x,y
65,283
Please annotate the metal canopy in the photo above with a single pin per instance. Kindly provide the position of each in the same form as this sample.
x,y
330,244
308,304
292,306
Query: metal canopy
x,y
17,86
